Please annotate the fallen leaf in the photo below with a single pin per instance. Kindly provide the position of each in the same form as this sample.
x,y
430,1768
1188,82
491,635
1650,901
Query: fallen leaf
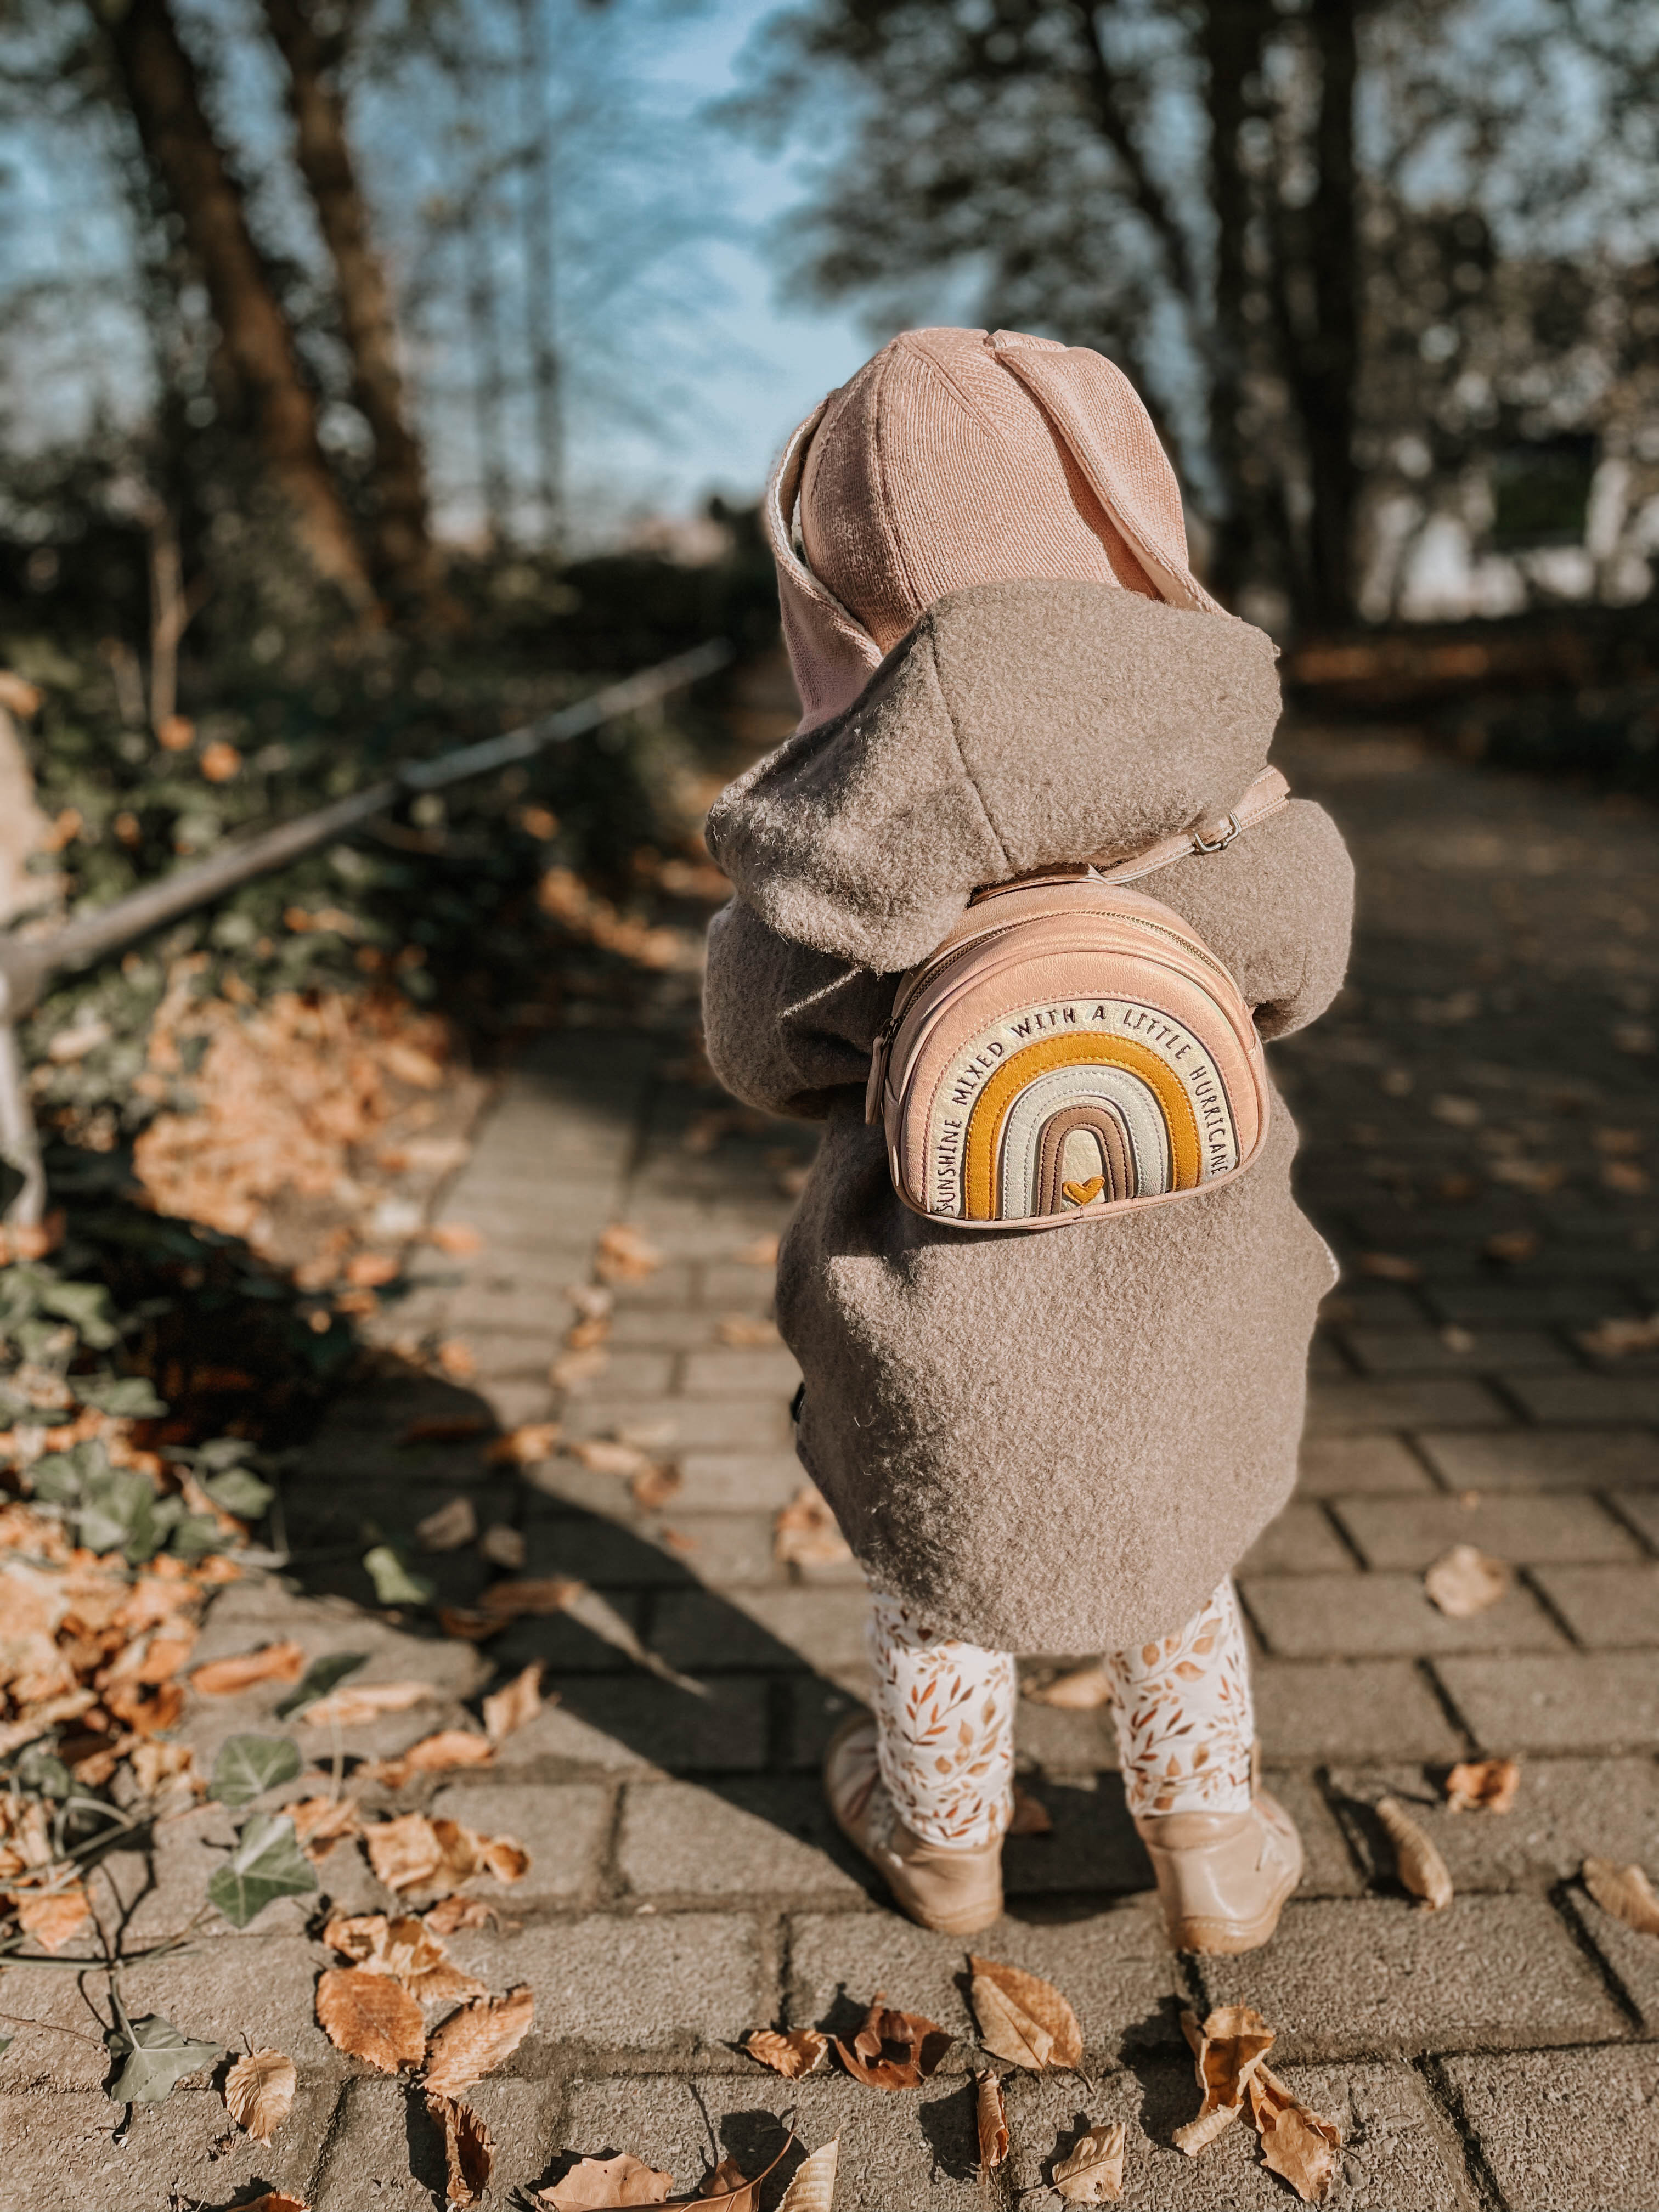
x,y
517,1702
272,1663
812,2186
1389,1267
449,1527
318,1679
729,2186
1618,1338
1296,2142
469,2153
51,1917
990,2119
1418,1864
807,1534
249,1765
601,1456
259,2091
583,1335
266,1864
321,1822
1625,1892
1091,2171
503,1545
153,2058
746,1329
370,2015
475,2040
1226,2050
433,1754
527,1445
1486,1785
459,1238
594,2183
156,1765
365,1701
1465,1580
654,1485
894,2050
366,1271
796,2051
409,1950
1078,1692
416,1853
1023,2018
394,1583
276,2200
1511,1246
450,1914
456,1359
624,1256
1031,1816
574,1370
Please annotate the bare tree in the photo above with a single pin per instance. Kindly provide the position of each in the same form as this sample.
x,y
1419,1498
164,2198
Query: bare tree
x,y
313,56
257,367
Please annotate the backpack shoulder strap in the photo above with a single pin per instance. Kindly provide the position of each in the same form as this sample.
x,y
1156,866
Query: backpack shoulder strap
x,y
1265,796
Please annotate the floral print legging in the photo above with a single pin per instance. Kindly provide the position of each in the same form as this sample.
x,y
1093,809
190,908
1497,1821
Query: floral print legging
x,y
945,1715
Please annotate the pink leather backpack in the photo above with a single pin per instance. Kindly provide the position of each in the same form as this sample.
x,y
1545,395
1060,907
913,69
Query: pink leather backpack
x,y
1074,1049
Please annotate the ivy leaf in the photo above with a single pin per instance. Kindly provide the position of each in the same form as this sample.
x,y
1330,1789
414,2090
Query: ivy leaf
x,y
318,1679
85,1306
61,1477
267,1863
393,1583
194,1535
118,1514
129,1396
249,1765
153,2056
239,1490
40,1770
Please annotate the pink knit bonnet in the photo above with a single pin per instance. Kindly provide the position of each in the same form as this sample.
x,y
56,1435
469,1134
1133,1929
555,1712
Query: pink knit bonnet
x,y
956,458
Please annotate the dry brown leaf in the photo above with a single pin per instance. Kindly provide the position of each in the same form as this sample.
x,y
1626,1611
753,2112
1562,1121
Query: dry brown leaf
x,y
515,1703
459,1238
259,2091
1227,2049
272,1663
746,1329
1021,2018
991,2120
414,1853
449,1527
1624,1892
370,2015
625,1256
807,1534
1465,1580
1417,1863
812,2186
475,2040
503,1545
1078,1692
1031,1816
1296,2142
527,1445
469,2153
456,1359
574,1370
796,2051
1486,1785
450,1914
1617,1338
539,1594
277,2200
1512,1246
407,1948
320,1822
433,1754
1389,1267
583,1335
894,2050
155,1765
729,2186
600,1456
51,1917
654,1486
361,1702
1091,2171
594,2185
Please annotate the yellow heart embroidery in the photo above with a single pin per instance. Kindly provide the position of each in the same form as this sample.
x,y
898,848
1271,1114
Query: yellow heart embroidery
x,y
1079,1193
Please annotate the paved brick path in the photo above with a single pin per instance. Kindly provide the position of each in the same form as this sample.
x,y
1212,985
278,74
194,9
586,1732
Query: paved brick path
x,y
1489,1074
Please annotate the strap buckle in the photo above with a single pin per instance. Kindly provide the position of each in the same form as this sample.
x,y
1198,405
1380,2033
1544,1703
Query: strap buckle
x,y
1203,844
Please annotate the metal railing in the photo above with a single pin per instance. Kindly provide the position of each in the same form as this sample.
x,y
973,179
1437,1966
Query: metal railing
x,y
29,965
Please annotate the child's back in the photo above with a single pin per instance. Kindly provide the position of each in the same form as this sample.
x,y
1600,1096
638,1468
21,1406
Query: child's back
x,y
1053,1442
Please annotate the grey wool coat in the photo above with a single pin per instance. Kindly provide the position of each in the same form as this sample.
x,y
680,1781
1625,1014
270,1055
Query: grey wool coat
x,y
1057,1441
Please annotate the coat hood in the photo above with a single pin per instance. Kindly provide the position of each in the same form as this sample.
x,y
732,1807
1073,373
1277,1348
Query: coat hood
x,y
1017,727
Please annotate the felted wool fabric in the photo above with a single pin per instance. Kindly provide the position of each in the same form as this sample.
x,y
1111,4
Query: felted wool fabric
x,y
1053,1442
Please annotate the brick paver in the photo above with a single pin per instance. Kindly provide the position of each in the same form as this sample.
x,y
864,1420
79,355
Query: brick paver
x,y
686,1884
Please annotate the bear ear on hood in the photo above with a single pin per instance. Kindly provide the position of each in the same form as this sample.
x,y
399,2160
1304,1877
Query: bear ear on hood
x,y
1099,415
832,654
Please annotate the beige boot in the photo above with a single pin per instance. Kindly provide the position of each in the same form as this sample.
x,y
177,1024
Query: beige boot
x,y
955,1893
1223,1878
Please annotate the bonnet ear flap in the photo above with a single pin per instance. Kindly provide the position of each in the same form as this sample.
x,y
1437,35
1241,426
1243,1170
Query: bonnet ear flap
x,y
831,653
1098,413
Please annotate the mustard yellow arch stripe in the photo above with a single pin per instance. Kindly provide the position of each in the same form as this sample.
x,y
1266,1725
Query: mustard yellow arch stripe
x,y
994,1104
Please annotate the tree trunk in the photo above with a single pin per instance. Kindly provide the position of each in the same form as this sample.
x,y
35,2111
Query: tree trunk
x,y
1323,370
403,548
258,359
1231,35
